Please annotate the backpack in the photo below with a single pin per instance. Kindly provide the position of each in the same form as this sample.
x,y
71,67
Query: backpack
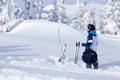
x,y
89,56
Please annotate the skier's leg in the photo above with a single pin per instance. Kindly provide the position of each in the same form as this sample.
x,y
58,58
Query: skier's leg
x,y
88,66
95,65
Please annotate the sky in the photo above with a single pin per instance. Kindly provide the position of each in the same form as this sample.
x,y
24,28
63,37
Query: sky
x,y
68,1
71,2
89,1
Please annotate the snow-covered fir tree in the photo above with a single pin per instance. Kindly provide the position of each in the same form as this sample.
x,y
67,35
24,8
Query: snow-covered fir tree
x,y
92,17
60,10
14,11
52,15
3,15
80,21
33,9
58,14
101,19
40,9
37,8
26,12
111,17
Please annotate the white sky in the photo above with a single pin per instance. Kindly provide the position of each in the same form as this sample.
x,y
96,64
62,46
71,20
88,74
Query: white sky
x,y
70,1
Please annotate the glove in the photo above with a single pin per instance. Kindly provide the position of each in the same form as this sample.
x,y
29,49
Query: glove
x,y
83,44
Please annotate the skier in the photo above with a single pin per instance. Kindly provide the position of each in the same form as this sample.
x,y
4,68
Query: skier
x,y
89,55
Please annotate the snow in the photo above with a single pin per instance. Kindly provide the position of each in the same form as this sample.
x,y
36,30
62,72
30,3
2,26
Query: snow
x,y
48,8
31,51
13,23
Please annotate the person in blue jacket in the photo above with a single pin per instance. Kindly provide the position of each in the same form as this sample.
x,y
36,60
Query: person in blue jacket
x,y
90,53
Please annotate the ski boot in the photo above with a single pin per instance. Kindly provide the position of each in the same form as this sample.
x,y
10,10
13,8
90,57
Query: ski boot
x,y
95,65
88,66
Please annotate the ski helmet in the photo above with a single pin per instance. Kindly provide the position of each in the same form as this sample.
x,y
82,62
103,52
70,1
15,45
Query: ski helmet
x,y
91,27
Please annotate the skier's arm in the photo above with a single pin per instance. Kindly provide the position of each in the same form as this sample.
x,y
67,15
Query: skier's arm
x,y
89,41
84,44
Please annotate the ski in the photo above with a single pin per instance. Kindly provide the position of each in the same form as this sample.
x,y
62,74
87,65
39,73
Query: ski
x,y
62,53
77,52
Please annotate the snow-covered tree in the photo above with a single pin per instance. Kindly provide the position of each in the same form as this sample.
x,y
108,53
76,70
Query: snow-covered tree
x,y
33,9
111,17
14,12
37,9
79,22
52,16
101,19
92,14
26,12
40,9
60,10
3,15
58,14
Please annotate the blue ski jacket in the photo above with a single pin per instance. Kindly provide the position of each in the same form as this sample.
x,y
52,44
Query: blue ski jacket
x,y
92,41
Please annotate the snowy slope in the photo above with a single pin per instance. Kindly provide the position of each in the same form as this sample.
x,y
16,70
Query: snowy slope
x,y
31,50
